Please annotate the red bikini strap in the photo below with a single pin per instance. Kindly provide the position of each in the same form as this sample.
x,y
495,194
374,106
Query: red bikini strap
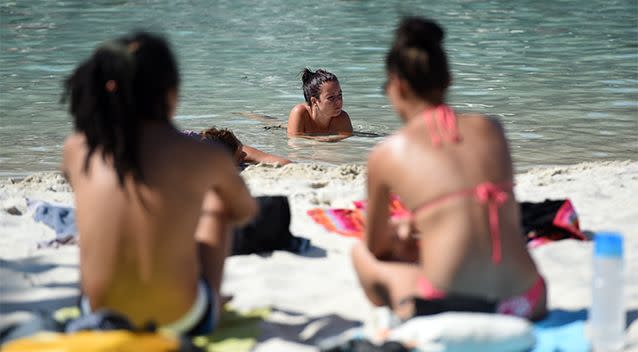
x,y
446,120
494,195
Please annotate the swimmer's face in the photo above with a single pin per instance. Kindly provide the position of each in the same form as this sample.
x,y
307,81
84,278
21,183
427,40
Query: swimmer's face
x,y
240,155
331,99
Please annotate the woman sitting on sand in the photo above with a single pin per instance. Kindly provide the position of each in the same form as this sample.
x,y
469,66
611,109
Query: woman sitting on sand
x,y
455,175
321,115
243,154
154,207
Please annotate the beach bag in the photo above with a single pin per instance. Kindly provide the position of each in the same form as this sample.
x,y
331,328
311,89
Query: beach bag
x,y
269,230
550,220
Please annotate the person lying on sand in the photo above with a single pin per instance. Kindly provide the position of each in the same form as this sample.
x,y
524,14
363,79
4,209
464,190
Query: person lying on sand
x,y
455,176
321,117
154,207
243,154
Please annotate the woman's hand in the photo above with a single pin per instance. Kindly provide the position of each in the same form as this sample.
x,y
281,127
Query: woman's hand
x,y
405,246
402,227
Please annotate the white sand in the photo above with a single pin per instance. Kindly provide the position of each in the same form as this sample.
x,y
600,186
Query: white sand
x,y
317,295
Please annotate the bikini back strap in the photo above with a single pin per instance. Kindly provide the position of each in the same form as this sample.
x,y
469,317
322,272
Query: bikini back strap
x,y
489,193
494,195
438,200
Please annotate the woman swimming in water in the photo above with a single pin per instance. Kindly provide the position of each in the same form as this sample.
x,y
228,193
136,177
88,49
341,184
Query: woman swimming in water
x,y
154,207
321,117
455,174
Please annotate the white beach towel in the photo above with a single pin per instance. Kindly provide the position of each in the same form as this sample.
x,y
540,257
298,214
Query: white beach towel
x,y
456,331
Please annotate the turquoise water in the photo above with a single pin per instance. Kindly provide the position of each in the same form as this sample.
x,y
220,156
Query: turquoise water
x,y
562,76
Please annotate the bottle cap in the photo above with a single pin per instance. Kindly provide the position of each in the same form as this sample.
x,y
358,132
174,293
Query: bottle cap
x,y
608,244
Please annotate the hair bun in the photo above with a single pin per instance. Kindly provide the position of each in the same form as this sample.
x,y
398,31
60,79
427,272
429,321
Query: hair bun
x,y
306,75
417,56
421,32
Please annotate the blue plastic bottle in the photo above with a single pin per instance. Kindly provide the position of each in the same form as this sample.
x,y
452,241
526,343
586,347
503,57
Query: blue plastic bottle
x,y
607,313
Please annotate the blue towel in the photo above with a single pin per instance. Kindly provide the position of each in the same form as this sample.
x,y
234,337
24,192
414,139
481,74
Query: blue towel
x,y
59,217
562,331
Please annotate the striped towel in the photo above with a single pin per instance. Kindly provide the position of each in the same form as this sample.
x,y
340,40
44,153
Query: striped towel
x,y
351,222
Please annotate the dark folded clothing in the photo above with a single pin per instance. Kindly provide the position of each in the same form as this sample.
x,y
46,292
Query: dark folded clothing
x,y
269,230
452,303
362,345
550,220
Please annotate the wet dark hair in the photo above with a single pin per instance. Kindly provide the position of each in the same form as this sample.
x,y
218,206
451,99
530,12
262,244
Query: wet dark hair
x,y
312,81
222,136
124,83
417,56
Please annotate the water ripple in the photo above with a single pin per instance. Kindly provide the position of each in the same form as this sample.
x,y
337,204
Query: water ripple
x,y
561,76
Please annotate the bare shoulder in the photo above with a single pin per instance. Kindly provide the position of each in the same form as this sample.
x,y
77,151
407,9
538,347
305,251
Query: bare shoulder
x,y
344,115
74,141
342,123
384,152
73,150
74,145
484,123
298,114
487,120
299,110
384,159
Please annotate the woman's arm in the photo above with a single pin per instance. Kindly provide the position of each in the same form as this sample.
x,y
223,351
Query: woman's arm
x,y
343,125
239,205
254,155
378,230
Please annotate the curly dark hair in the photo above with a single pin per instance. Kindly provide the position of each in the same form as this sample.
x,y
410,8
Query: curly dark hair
x,y
124,83
222,136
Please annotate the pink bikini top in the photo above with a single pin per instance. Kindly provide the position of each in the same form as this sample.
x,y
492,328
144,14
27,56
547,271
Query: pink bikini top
x,y
442,125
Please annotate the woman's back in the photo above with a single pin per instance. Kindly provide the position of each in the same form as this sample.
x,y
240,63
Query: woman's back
x,y
137,241
438,183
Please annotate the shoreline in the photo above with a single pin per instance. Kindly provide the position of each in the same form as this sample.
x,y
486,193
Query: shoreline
x,y
519,167
601,192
